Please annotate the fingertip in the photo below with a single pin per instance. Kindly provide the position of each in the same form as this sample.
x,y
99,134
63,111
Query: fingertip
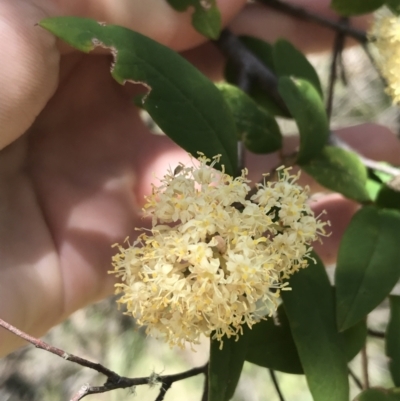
x,y
339,212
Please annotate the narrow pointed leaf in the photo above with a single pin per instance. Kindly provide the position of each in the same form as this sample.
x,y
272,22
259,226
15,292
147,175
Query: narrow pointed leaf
x,y
355,7
225,366
381,394
291,62
393,339
206,18
182,101
255,127
341,171
368,263
308,110
311,311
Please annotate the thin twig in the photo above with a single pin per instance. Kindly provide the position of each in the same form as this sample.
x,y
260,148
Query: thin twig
x,y
114,381
248,65
337,52
276,385
302,13
356,379
364,367
376,334
246,61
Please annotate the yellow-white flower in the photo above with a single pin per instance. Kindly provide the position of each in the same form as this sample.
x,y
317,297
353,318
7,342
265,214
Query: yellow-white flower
x,y
214,258
385,34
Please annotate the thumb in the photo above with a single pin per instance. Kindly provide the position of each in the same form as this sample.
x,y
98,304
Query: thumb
x,y
29,67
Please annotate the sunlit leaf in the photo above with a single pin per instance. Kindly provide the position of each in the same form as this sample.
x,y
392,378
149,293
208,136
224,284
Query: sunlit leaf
x,y
182,101
306,107
311,311
225,366
206,17
255,127
393,339
289,61
341,171
368,263
355,7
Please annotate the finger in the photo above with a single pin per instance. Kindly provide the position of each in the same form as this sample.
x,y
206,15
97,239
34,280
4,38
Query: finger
x,y
339,212
374,141
29,67
153,18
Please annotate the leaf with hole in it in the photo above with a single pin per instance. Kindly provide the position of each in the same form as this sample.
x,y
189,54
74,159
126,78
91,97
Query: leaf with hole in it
x,y
225,366
183,102
341,171
355,7
310,309
368,263
290,62
206,18
305,105
263,51
379,394
271,344
392,339
255,127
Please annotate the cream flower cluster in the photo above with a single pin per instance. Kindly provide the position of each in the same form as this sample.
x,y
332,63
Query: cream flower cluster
x,y
385,34
214,259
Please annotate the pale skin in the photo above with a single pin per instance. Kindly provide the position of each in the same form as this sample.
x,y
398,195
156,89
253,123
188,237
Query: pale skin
x,y
76,161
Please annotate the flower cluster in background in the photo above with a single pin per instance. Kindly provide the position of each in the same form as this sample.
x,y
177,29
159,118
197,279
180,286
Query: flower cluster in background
x,y
385,35
214,259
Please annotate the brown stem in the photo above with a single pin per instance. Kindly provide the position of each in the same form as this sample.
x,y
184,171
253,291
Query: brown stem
x,y
364,366
337,52
302,13
114,381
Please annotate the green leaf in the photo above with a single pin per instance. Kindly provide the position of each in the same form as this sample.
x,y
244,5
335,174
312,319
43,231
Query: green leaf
x,y
206,18
341,171
389,194
393,339
311,311
306,107
368,263
354,339
291,62
394,6
381,394
263,51
272,346
182,101
255,127
225,366
355,7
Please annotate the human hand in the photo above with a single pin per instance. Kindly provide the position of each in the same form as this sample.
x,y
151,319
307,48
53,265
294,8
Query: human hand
x,y
72,180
